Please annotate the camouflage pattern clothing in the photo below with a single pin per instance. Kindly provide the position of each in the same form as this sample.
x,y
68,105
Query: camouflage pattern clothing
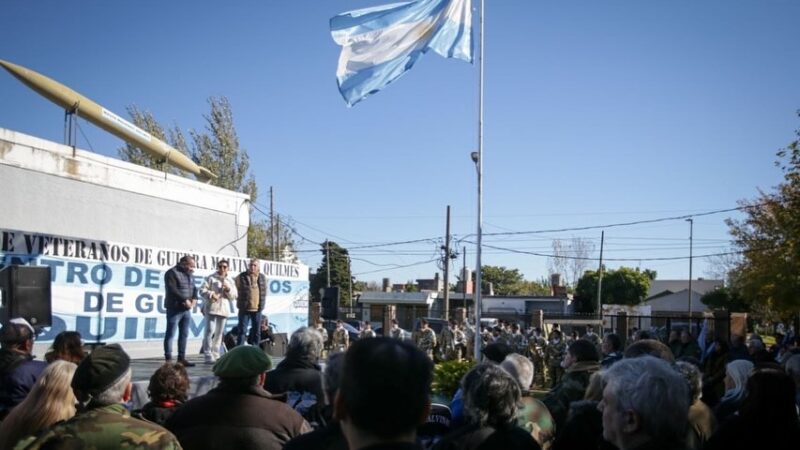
x,y
340,340
324,333
518,342
396,333
469,341
105,427
426,341
553,357
537,346
461,343
364,334
447,344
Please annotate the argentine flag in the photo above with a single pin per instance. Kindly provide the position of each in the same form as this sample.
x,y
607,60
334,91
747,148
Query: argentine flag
x,y
380,44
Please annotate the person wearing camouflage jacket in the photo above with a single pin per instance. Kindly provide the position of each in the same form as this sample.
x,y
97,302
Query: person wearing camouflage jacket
x,y
102,383
426,339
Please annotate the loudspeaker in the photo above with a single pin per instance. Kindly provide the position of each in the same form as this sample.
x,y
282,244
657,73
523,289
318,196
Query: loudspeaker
x,y
330,303
25,292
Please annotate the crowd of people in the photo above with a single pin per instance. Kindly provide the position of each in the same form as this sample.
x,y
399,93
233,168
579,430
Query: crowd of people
x,y
377,394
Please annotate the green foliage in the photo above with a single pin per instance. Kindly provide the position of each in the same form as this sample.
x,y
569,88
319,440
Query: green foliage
x,y
411,286
725,298
340,272
624,286
768,276
504,281
447,377
148,123
217,149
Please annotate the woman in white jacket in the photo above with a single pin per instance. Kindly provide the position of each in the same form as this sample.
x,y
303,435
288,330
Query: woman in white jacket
x,y
218,291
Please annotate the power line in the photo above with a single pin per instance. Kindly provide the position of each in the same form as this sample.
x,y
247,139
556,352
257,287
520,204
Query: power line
x,y
398,267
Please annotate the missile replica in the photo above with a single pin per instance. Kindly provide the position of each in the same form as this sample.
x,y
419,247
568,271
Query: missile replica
x,y
105,119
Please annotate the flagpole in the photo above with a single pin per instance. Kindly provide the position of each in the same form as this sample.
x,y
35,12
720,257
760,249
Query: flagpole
x,y
479,164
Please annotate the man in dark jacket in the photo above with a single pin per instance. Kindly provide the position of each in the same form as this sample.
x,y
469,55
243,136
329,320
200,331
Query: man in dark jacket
x,y
18,370
238,413
580,362
180,298
299,377
252,287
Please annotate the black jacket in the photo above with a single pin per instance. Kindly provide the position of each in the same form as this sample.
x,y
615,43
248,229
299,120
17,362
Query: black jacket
x,y
179,286
233,418
18,374
473,437
300,379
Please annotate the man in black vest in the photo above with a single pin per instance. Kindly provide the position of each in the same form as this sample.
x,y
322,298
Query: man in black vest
x,y
252,287
180,298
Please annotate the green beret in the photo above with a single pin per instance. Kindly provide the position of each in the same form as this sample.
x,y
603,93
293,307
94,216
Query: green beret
x,y
101,369
241,362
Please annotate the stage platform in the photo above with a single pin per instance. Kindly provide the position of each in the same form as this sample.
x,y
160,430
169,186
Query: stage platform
x,y
201,378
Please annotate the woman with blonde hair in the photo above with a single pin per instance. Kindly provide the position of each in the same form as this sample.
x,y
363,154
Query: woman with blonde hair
x,y
51,400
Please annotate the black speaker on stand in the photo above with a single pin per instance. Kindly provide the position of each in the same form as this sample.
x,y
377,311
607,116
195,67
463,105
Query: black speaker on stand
x,y
25,292
330,303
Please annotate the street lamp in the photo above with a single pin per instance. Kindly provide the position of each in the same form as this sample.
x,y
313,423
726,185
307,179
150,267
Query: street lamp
x,y
691,229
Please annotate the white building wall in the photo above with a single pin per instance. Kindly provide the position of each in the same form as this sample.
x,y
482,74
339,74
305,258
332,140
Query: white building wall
x,y
48,188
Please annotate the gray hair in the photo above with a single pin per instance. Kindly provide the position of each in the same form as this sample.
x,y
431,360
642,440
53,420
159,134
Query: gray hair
x,y
520,368
491,396
114,393
657,393
738,371
693,377
306,341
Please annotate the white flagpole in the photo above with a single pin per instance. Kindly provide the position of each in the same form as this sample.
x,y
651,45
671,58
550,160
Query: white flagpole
x,y
479,163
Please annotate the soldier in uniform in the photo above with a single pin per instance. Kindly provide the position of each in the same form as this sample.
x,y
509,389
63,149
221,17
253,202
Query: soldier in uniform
x,y
367,332
324,333
104,422
517,340
460,341
395,332
447,342
555,354
469,340
340,339
592,337
537,345
426,339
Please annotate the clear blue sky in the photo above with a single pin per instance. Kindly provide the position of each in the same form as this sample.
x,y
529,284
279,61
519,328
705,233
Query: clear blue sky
x,y
597,112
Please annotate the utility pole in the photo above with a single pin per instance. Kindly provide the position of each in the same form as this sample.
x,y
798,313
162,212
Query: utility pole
x,y
600,281
446,261
691,230
464,284
272,225
328,259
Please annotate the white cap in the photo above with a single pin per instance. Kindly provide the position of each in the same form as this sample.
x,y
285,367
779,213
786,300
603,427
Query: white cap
x,y
23,322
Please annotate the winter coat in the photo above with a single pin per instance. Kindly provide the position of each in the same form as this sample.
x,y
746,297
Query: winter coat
x,y
300,378
18,374
179,286
571,389
229,417
474,437
244,302
216,302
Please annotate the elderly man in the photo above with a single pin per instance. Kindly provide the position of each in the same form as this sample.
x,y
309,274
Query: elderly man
x,y
18,370
645,405
238,413
399,375
102,385
180,298
252,288
300,377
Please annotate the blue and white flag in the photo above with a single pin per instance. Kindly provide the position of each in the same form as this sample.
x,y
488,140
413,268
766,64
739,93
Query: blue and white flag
x,y
379,44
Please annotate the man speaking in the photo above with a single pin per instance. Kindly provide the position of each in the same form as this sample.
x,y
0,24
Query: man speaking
x,y
180,298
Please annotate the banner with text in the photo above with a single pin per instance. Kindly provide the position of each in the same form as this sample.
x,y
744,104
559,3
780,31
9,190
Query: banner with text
x,y
114,292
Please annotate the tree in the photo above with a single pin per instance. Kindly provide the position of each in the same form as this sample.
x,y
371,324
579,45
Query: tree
x,y
217,149
504,281
339,263
146,121
725,298
624,286
768,276
571,259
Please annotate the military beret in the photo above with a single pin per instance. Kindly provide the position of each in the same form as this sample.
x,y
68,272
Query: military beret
x,y
101,369
241,362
